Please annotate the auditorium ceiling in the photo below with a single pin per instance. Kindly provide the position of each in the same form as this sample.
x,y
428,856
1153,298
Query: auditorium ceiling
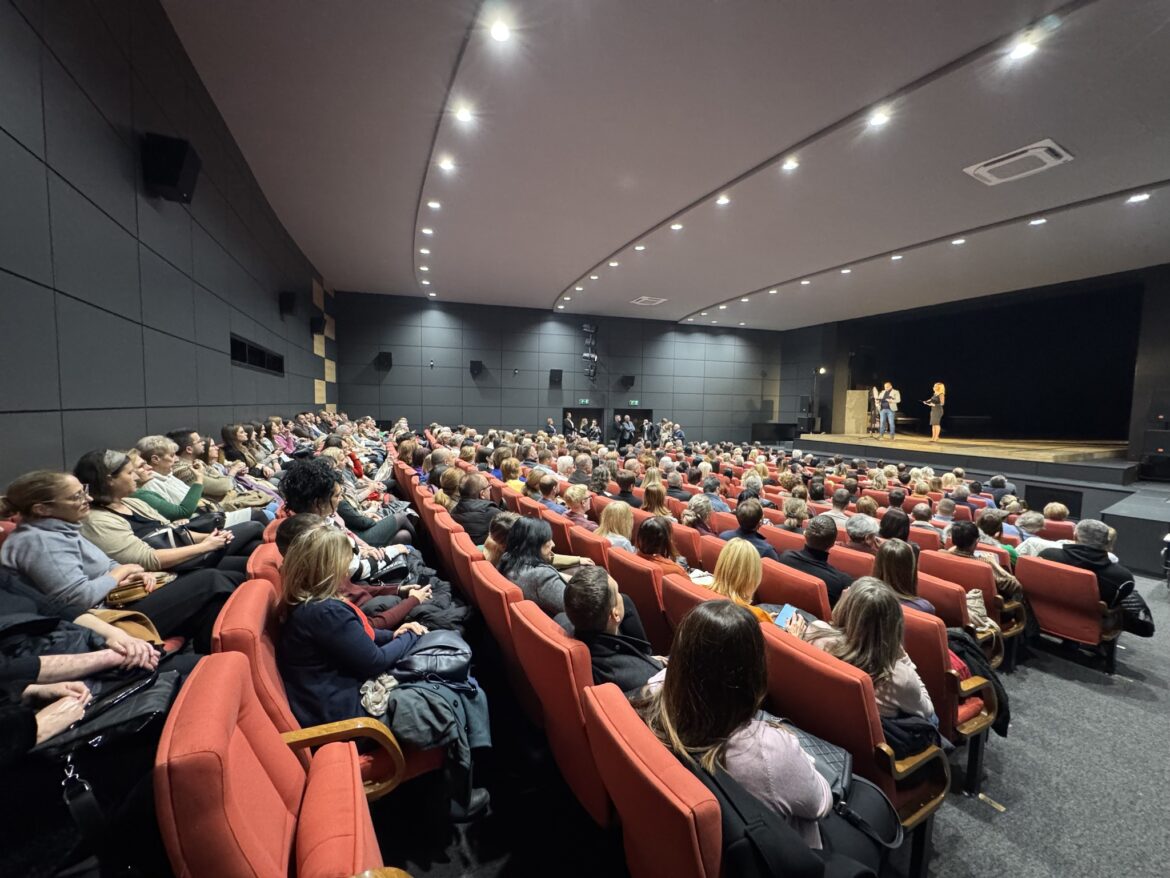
x,y
805,156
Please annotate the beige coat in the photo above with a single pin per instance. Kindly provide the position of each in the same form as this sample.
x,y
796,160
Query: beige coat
x,y
112,534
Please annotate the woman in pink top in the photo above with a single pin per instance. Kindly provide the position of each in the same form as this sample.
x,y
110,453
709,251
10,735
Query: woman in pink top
x,y
695,713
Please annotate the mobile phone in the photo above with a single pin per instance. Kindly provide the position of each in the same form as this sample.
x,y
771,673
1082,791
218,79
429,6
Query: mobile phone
x,y
786,613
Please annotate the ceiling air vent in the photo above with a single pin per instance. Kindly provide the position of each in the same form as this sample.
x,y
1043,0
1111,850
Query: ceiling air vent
x,y
647,301
1020,163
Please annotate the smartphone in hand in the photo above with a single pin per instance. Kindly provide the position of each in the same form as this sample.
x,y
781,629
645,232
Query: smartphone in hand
x,y
785,615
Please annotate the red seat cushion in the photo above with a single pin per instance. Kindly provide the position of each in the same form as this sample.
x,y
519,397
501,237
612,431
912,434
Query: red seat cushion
x,y
967,709
335,835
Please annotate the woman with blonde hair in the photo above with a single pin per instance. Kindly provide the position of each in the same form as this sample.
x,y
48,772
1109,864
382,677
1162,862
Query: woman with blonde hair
x,y
653,476
654,501
510,474
578,498
698,514
867,632
737,576
795,514
616,524
936,403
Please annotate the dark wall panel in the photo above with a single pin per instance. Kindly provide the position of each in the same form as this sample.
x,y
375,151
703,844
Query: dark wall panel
x,y
118,306
707,379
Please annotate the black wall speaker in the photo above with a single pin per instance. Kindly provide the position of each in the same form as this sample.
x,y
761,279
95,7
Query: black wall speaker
x,y
627,381
476,367
1155,467
317,325
554,377
384,361
287,302
170,167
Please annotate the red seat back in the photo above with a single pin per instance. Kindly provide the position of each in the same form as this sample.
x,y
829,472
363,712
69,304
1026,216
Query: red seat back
x,y
560,530
464,553
926,644
511,499
913,500
709,549
529,507
680,595
264,563
782,540
589,545
642,581
1064,599
962,513
445,528
600,501
926,539
1057,530
782,584
676,507
949,599
559,669
494,594
686,540
671,823
882,497
723,521
967,572
270,530
851,561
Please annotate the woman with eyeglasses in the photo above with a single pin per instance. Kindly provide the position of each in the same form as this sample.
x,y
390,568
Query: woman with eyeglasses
x,y
49,549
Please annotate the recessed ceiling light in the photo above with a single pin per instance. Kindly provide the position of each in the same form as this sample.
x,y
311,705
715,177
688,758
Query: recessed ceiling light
x,y
639,247
1022,48
772,292
878,118
846,271
447,163
959,241
427,231
714,321
424,251
1039,221
702,313
424,268
560,307
500,31
568,298
579,289
593,277
676,227
1138,198
425,283
895,257
432,294
463,113
722,199
722,307
690,320
614,264
790,164
805,283
433,205
745,299
741,323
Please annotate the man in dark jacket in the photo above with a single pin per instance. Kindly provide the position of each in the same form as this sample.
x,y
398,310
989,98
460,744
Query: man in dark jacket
x,y
596,610
626,432
1091,552
625,480
749,514
674,488
813,559
475,510
569,426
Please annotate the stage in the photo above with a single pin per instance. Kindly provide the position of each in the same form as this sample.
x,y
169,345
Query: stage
x,y
1097,462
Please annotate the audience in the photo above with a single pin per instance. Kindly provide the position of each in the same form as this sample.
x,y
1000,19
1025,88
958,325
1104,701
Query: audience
x,y
863,533
841,501
896,564
625,480
813,559
795,514
475,510
654,501
698,514
711,488
749,515
738,572
616,524
579,501
655,542
1090,551
965,536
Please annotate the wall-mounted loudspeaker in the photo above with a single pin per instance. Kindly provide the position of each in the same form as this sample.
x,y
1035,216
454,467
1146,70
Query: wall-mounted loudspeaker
x,y
170,167
476,367
554,377
287,303
317,325
627,381
384,361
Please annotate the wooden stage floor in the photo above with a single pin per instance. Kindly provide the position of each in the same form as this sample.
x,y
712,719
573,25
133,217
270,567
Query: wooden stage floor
x,y
1043,450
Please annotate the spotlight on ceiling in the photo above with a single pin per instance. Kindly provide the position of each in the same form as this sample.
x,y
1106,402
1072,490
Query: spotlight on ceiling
x,y
424,251
579,289
639,247
722,200
1021,49
425,283
434,205
790,164
676,227
879,117
568,298
772,292
895,257
426,230
500,31
593,277
432,294
424,268
560,307
959,241
1039,221
805,282
463,113
722,307
745,299
1138,198
614,264
447,164
846,271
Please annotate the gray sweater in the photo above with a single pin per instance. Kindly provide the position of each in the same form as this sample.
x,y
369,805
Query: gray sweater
x,y
70,570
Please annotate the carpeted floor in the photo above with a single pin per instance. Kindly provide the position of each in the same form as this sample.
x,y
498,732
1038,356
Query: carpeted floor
x,y
1082,776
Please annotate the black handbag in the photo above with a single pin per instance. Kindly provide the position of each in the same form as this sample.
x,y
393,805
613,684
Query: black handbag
x,y
167,537
206,522
437,657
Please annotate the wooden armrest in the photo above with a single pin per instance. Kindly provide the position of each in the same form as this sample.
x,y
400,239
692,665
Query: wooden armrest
x,y
900,769
972,685
1012,605
351,729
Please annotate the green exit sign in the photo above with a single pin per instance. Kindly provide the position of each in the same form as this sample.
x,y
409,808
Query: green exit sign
x,y
583,401
633,402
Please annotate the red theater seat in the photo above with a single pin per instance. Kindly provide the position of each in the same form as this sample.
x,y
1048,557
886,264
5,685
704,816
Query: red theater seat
x,y
642,582
264,563
782,584
680,596
851,561
494,594
589,545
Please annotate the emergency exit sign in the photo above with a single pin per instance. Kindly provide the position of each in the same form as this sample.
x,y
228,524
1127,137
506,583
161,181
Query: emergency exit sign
x,y
583,401
633,402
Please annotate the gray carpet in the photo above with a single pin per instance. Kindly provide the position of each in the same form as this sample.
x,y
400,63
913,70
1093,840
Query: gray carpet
x,y
1083,773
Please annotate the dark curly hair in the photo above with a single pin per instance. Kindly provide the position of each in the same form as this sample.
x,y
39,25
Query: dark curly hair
x,y
308,483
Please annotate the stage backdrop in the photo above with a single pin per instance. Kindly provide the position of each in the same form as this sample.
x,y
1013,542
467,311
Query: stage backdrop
x,y
1052,363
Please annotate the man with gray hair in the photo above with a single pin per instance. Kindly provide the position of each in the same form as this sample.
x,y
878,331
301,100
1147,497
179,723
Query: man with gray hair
x,y
863,534
582,470
666,465
674,488
920,518
565,466
1090,551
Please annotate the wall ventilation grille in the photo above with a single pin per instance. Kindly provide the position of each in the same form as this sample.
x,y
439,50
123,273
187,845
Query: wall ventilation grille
x,y
647,301
1020,163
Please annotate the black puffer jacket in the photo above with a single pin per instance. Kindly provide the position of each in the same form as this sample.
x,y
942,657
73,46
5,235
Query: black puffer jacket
x,y
475,516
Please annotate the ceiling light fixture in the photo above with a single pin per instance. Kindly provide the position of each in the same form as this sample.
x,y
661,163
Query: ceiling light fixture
x,y
959,241
790,164
878,118
432,294
424,251
676,227
702,313
722,200
560,307
846,271
568,298
463,113
425,283
690,320
447,163
772,292
433,205
1138,198
427,230
741,323
1021,49
722,307
1039,221
714,321
745,299
500,31
805,283
593,277
614,264
579,289
639,247
895,257
424,268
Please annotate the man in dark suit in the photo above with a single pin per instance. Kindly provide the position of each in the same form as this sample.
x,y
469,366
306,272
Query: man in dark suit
x,y
813,559
674,488
603,622
749,514
625,480
568,425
